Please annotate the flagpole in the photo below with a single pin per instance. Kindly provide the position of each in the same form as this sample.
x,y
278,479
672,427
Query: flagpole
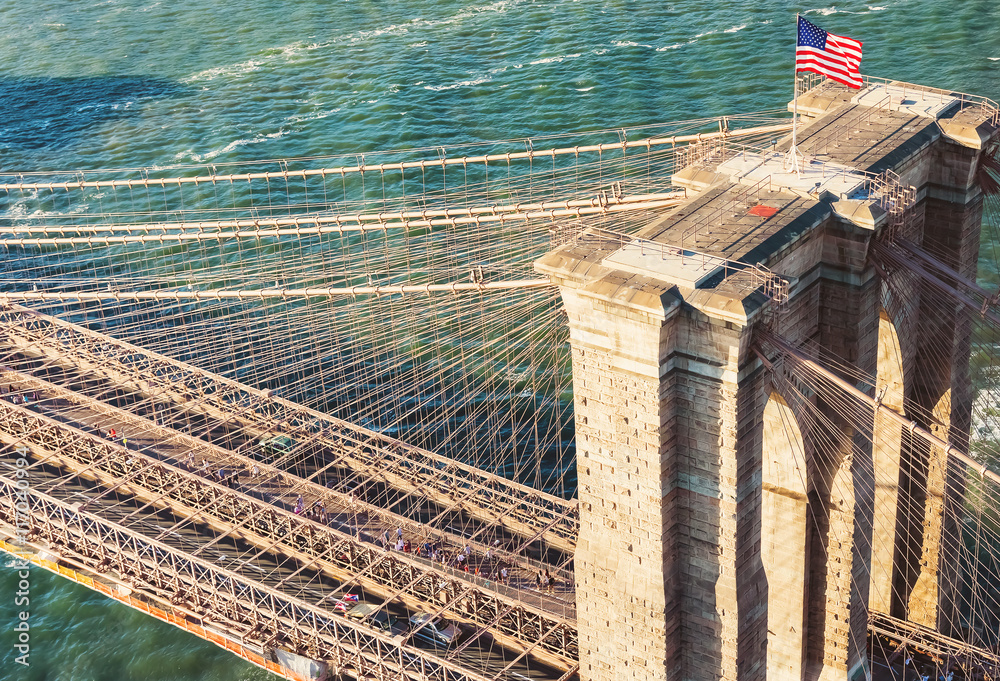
x,y
795,100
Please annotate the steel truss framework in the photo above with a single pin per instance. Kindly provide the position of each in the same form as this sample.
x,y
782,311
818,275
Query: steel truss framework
x,y
280,531
263,613
289,483
518,508
892,641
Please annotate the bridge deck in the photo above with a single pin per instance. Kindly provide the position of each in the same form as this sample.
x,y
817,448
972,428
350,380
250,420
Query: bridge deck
x,y
147,548
421,476
254,505
249,469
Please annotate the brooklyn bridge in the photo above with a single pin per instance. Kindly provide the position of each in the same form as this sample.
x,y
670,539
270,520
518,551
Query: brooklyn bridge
x,y
675,402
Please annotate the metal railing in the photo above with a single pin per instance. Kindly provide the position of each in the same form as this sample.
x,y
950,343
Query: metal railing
x,y
949,653
885,187
738,203
719,151
988,107
862,117
773,286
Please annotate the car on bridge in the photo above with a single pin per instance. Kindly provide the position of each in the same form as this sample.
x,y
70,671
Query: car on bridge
x,y
434,629
280,444
376,618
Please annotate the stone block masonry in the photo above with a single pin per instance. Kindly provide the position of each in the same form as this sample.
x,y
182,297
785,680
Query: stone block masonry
x,y
655,405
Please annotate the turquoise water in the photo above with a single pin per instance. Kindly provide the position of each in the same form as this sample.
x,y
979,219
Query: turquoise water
x,y
118,83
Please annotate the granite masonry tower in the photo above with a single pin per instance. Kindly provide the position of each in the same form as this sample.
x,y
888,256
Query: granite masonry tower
x,y
713,543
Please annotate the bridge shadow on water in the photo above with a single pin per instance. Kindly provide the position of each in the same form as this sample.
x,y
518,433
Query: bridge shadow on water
x,y
56,112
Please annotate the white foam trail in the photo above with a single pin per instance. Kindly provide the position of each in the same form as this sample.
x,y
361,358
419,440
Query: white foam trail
x,y
304,118
291,51
12,561
985,401
235,144
629,43
826,11
463,83
551,60
735,29
225,71
394,29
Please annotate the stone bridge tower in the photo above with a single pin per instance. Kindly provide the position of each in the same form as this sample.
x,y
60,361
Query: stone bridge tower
x,y
713,544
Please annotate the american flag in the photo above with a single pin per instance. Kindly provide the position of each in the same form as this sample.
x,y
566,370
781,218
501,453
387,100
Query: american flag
x,y
834,56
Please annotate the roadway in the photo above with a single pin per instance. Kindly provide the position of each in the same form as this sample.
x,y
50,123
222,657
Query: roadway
x,y
387,578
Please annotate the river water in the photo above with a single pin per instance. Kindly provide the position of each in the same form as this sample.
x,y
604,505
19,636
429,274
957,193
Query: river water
x,y
140,83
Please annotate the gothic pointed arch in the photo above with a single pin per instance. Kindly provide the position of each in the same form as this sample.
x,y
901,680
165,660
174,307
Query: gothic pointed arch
x,y
783,538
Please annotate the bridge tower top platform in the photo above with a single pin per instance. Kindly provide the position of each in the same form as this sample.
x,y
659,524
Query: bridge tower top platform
x,y
859,159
